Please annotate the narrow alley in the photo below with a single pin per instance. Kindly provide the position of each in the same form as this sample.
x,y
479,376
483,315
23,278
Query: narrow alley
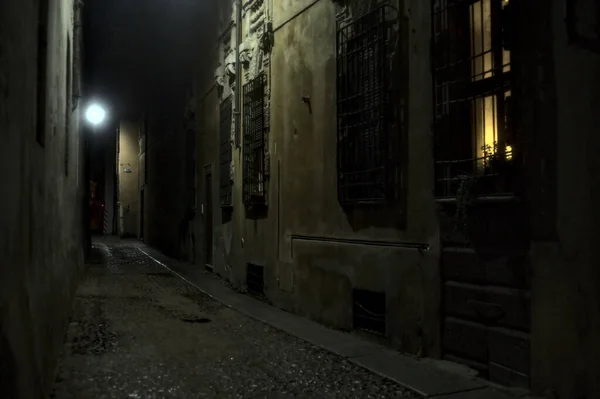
x,y
139,331
299,198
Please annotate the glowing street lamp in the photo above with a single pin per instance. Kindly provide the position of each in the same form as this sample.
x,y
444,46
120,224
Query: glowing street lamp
x,y
95,114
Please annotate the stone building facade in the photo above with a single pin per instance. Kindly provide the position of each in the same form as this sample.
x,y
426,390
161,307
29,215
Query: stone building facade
x,y
281,223
41,213
421,172
129,173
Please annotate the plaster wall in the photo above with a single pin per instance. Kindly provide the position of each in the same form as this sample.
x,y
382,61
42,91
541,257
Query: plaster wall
x,y
128,164
315,252
41,214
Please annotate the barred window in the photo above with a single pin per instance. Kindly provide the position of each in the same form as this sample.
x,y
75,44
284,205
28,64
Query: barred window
x,y
366,147
471,67
255,129
225,186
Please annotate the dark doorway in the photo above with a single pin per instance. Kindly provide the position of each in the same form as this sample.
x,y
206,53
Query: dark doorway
x,y
208,221
142,214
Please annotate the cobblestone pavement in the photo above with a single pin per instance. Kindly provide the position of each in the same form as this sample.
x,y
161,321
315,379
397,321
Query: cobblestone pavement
x,y
138,331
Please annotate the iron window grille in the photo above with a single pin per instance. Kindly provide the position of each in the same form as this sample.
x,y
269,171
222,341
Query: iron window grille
x,y
472,99
366,149
225,152
255,131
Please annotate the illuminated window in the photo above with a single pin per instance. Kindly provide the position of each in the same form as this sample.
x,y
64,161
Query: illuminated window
x,y
471,61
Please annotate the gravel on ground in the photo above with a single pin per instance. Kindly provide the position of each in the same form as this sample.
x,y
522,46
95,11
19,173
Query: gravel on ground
x,y
138,331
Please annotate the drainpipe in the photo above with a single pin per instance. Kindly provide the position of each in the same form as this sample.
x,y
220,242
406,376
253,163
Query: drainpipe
x,y
238,71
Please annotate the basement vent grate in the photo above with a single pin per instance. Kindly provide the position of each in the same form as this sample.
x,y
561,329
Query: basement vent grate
x,y
255,279
369,311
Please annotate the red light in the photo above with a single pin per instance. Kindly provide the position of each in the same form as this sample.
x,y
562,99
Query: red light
x,y
102,205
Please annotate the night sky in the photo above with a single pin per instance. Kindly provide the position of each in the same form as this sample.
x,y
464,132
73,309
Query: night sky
x,y
138,56
139,53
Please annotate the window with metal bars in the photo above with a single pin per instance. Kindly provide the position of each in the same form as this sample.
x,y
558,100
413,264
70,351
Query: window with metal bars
x,y
225,186
366,147
472,75
255,131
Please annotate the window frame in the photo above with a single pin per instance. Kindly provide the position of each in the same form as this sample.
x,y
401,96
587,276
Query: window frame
x,y
367,143
457,91
255,130
225,152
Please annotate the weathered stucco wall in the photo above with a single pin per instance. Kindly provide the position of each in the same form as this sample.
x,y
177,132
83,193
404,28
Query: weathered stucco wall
x,y
208,95
129,171
40,208
304,145
313,251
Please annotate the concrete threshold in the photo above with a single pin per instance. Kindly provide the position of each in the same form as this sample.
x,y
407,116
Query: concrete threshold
x,y
428,377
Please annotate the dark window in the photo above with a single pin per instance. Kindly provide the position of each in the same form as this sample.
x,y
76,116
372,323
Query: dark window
x,y
369,311
582,19
42,60
366,147
68,94
254,142
471,69
225,186
76,63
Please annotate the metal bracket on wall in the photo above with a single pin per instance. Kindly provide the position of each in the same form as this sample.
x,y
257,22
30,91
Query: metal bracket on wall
x,y
574,35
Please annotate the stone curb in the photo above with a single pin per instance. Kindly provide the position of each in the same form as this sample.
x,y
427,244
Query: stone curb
x,y
427,377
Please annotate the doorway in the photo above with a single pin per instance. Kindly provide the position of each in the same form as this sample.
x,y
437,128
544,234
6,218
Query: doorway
x,y
142,214
208,222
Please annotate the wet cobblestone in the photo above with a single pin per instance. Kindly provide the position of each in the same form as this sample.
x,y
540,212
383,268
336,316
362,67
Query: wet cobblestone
x,y
138,332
